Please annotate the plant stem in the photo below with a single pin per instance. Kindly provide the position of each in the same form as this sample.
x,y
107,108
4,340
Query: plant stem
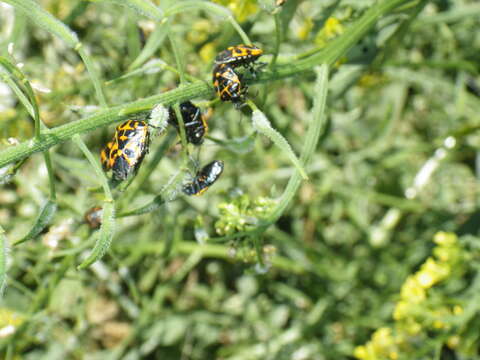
x,y
96,167
179,60
93,75
51,177
239,30
313,136
332,52
278,39
215,251
262,125
183,135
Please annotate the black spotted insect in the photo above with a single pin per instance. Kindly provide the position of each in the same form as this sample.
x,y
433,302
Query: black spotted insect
x,y
204,178
195,124
124,154
93,217
239,55
228,84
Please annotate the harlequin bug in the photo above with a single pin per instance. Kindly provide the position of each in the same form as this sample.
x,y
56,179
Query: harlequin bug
x,y
93,217
204,178
239,55
195,124
228,84
125,152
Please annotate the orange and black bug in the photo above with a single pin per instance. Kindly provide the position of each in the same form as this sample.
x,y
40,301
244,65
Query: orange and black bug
x,y
93,217
125,152
105,155
204,178
195,124
228,84
239,55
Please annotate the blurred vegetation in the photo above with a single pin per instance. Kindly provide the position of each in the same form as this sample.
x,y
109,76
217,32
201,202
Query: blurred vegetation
x,y
375,257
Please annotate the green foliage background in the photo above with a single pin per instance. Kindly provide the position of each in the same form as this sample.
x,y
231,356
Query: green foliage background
x,y
209,277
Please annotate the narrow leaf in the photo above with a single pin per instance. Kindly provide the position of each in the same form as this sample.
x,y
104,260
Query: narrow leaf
x,y
263,126
105,236
43,219
20,86
239,145
155,40
186,6
155,204
143,7
42,18
314,131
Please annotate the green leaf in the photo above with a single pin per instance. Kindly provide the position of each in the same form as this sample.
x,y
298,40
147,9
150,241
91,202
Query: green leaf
x,y
43,219
240,145
314,131
40,17
263,126
185,6
105,237
155,40
143,7
96,166
21,86
155,204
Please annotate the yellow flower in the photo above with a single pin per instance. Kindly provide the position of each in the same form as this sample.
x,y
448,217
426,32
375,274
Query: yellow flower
x,y
8,317
412,290
457,310
439,324
9,321
241,9
360,352
382,337
411,314
443,238
440,314
453,341
305,29
200,31
333,27
401,310
432,272
383,345
447,253
208,52
330,30
443,253
371,80
412,327
425,279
